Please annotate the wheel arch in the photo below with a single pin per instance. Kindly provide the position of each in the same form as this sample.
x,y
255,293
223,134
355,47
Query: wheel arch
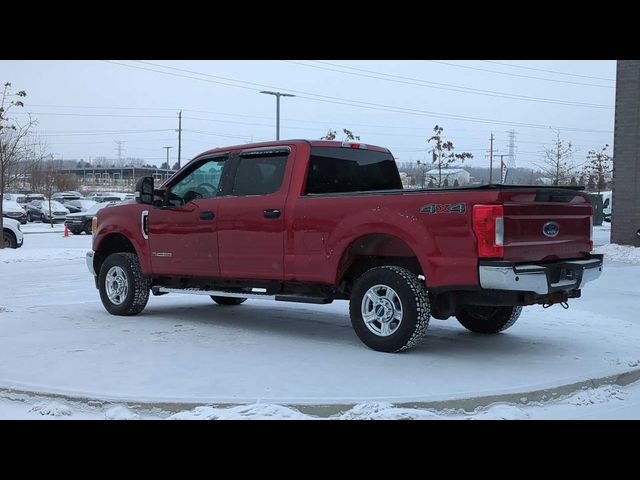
x,y
112,243
374,250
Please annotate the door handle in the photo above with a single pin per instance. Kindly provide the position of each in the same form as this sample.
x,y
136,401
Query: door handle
x,y
272,213
207,215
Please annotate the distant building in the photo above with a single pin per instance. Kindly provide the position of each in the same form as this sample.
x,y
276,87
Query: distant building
x,y
124,177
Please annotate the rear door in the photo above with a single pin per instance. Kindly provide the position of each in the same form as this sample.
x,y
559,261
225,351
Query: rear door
x,y
251,222
182,234
546,224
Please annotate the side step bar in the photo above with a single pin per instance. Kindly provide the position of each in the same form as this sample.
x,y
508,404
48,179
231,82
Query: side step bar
x,y
253,295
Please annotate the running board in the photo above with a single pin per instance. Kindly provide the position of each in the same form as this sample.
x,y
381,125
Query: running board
x,y
253,295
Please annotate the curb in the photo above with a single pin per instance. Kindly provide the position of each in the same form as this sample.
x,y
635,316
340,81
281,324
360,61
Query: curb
x,y
468,404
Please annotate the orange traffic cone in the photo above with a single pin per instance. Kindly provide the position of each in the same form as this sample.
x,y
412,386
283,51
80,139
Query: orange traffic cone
x,y
66,230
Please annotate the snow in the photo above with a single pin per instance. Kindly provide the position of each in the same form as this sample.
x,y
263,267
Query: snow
x,y
277,360
620,253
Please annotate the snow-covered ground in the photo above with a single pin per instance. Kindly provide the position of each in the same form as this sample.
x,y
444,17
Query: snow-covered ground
x,y
57,339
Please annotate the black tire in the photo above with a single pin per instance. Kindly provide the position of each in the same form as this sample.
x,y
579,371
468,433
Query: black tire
x,y
415,308
29,217
75,232
137,294
486,319
228,301
87,228
43,219
9,240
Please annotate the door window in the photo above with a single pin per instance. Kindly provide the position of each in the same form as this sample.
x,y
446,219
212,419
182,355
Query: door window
x,y
201,182
259,175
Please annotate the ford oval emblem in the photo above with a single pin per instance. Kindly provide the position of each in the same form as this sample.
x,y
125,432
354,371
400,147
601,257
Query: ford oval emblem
x,y
551,229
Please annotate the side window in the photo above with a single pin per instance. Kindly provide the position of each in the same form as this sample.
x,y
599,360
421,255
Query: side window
x,y
259,175
202,182
340,170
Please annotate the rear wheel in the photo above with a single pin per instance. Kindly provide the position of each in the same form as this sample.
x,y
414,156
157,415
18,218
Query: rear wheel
x,y
87,228
124,289
487,319
9,240
389,309
228,300
29,217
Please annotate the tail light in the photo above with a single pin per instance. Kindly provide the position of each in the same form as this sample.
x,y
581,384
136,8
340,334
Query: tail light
x,y
94,226
488,225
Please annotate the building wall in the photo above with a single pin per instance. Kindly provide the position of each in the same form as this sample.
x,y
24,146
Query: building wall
x,y
626,155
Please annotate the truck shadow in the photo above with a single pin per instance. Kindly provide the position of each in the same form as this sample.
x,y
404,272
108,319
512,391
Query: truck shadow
x,y
444,338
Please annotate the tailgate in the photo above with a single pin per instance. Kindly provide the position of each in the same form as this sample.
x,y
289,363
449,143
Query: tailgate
x,y
546,225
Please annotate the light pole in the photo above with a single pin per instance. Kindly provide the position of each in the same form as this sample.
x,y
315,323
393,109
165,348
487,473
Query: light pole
x,y
278,95
167,148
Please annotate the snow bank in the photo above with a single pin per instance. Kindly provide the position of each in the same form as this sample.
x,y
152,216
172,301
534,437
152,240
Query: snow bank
x,y
51,408
256,411
620,253
120,412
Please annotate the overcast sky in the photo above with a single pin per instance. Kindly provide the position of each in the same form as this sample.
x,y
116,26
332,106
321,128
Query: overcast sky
x,y
84,107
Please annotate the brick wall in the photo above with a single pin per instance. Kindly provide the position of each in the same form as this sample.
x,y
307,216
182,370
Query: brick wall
x,y
626,155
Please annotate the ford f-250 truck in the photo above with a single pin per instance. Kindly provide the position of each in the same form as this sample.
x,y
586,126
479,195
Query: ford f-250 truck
x,y
317,221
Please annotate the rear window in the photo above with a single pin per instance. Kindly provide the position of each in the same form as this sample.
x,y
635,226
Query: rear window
x,y
338,170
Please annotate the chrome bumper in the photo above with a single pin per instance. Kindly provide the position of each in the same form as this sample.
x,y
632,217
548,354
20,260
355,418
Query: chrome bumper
x,y
90,263
564,275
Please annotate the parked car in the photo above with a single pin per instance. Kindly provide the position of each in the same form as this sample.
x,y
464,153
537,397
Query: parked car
x,y
11,209
318,221
606,205
62,196
81,221
11,233
80,205
39,210
106,198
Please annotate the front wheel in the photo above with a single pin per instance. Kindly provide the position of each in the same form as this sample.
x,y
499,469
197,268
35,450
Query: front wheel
x,y
228,301
487,319
9,240
389,309
124,289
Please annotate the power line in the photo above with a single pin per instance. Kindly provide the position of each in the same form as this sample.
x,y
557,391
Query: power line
x,y
550,71
358,103
446,86
520,76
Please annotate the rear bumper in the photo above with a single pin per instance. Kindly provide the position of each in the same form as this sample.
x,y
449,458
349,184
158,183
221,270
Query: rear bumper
x,y
561,276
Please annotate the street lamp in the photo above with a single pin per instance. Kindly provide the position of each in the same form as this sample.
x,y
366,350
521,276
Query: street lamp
x,y
278,95
167,148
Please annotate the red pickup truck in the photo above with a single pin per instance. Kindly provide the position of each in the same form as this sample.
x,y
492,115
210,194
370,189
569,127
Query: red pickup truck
x,y
317,221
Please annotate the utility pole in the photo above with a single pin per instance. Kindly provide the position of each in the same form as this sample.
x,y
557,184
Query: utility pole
x,y
501,167
179,137
278,95
167,148
491,161
119,148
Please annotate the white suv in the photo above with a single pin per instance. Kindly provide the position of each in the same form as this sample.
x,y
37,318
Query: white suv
x,y
11,233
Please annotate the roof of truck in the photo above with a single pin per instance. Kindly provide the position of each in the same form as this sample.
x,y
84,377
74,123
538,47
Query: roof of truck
x,y
282,143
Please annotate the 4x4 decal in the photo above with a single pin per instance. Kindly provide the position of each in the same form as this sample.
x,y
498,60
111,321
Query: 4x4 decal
x,y
437,208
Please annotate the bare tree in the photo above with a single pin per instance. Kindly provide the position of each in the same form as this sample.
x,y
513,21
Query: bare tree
x,y
557,164
332,134
443,155
599,165
49,173
12,140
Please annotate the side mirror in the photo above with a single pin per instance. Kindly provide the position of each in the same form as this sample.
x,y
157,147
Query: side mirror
x,y
144,190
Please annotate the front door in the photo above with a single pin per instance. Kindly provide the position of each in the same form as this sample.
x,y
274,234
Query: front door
x,y
251,223
183,237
